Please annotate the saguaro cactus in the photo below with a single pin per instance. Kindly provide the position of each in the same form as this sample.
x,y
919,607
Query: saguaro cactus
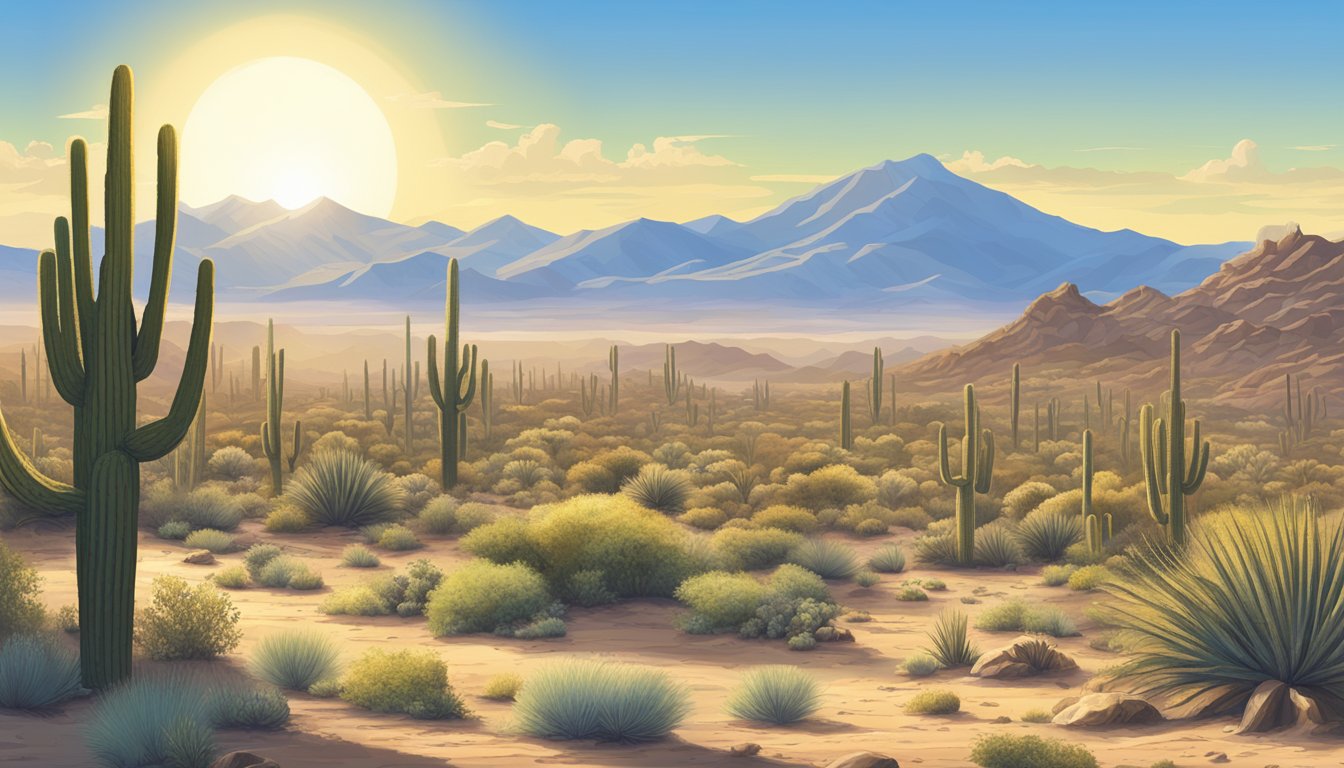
x,y
1015,402
454,391
588,395
409,378
875,388
846,432
1097,527
97,355
256,373
271,441
614,389
977,469
487,397
1165,471
671,379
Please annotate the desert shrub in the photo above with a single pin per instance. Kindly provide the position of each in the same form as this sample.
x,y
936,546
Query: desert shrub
x,y
588,588
866,578
398,538
130,723
174,530
1037,716
996,547
1008,751
295,659
704,518
827,559
359,600
789,618
250,708
639,553
472,515
257,556
287,518
189,743
888,559
326,689
1089,577
895,490
951,646
938,545
601,701
911,593
408,682
231,463
1026,497
253,505
37,673
836,485
933,584
503,687
921,665
67,619
416,491
786,518
185,622
438,517
20,607
407,593
232,577
937,702
1057,575
342,488
870,527
359,556
1047,534
607,471
335,441
659,488
775,694
721,601
210,507
550,626
216,542
482,596
1018,615
746,549
287,572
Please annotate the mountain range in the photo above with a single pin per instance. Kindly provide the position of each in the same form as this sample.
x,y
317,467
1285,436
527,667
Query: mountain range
x,y
897,236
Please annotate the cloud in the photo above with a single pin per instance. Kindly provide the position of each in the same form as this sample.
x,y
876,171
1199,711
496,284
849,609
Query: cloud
x,y
431,100
35,188
1110,149
673,151
973,161
1315,147
1243,164
96,112
501,126
796,178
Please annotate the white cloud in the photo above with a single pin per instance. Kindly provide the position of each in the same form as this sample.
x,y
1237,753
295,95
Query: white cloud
x,y
1243,165
96,112
796,178
673,151
501,126
1315,147
973,161
431,100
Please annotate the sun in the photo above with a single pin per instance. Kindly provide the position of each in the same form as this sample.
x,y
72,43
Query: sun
x,y
290,130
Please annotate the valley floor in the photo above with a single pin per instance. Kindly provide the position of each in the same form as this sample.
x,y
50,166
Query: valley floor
x,y
862,703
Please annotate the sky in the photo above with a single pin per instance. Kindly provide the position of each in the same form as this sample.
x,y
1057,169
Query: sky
x,y
1196,121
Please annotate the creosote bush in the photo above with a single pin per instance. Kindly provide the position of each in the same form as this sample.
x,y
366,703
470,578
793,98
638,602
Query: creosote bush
x,y
482,596
937,702
503,687
1009,751
408,682
600,701
20,607
185,622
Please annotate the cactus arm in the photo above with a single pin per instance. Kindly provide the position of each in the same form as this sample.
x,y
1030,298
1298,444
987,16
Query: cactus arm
x,y
984,468
156,439
148,339
436,389
1199,466
1151,474
79,221
467,374
61,342
29,486
944,463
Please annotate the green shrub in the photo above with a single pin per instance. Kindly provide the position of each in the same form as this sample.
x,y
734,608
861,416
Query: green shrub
x,y
933,703
359,556
417,490
888,559
409,682
215,542
250,708
185,622
295,659
130,723
174,530
36,673
933,584
231,463
787,518
287,518
601,701
588,588
951,646
359,600
1025,498
189,743
1057,575
996,547
398,538
326,689
231,577
911,593
1049,621
936,548
257,556
439,516
785,617
793,582
659,488
1089,577
870,528
1037,716
1017,615
720,601
210,507
482,596
704,518
1047,534
1008,751
503,687
827,559
835,486
551,626
866,578
775,694
921,665
288,572
473,515
337,487
743,549
21,610
67,619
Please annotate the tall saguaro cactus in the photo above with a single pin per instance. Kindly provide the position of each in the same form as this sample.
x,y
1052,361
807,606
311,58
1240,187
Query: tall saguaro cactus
x,y
1165,470
977,469
97,355
1096,527
671,379
487,398
614,390
846,431
875,388
454,391
1015,402
272,443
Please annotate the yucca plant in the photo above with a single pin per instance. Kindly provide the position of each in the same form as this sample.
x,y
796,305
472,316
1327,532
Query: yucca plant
x,y
777,694
890,558
295,659
131,723
996,547
1255,596
827,559
602,701
951,646
36,673
1047,534
342,488
658,488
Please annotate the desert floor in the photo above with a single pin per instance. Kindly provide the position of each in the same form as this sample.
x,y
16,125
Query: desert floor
x,y
862,704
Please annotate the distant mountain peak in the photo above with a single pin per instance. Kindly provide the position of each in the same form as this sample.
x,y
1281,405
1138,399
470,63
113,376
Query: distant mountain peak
x,y
1066,296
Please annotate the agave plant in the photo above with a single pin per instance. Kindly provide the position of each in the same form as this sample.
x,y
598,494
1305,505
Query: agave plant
x,y
338,487
996,547
777,694
658,488
951,646
1256,598
1046,534
827,559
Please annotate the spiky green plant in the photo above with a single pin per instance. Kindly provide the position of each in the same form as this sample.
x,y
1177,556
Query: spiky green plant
x,y
1047,534
875,388
846,432
977,469
130,724
1255,595
1165,472
890,558
454,391
98,353
950,644
36,673
777,694
603,701
827,559
659,488
338,487
295,659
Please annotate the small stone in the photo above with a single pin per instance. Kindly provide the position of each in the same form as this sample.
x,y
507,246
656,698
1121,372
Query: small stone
x,y
865,760
199,557
745,749
1220,757
1002,720
243,760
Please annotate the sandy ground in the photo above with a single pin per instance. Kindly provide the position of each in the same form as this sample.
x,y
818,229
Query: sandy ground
x,y
862,704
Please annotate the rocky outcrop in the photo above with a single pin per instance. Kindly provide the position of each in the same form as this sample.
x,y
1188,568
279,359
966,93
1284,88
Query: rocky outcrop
x,y
1275,705
864,760
1103,709
1026,656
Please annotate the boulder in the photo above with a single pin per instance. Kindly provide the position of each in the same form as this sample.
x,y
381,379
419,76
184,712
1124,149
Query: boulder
x,y
1275,705
746,749
865,760
1026,656
243,760
199,557
1099,709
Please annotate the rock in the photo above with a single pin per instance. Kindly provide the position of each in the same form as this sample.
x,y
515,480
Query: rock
x,y
1026,656
1002,720
1065,703
746,749
1274,704
833,635
199,557
865,760
243,760
1218,757
1097,709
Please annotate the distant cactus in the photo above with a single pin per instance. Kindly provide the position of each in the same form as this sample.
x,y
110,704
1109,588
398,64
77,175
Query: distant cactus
x,y
1165,469
1054,418
1124,425
692,408
1037,429
256,373
98,353
1015,401
1097,527
487,398
846,432
713,409
614,389
588,396
875,388
368,401
761,395
671,378
454,389
271,440
1299,422
977,471
23,376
